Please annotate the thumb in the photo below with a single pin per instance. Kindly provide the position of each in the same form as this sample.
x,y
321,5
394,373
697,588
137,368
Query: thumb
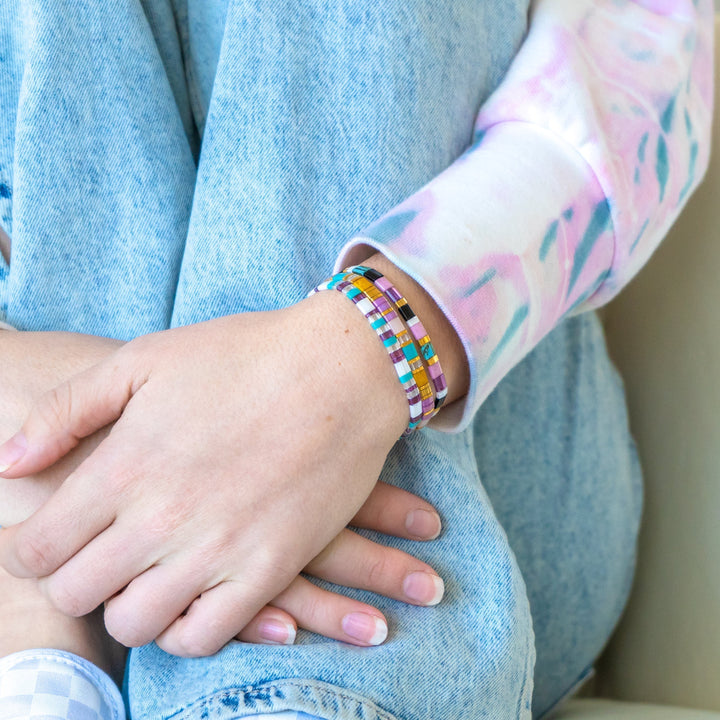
x,y
65,415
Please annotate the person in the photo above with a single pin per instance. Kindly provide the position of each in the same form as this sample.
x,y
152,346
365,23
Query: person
x,y
250,433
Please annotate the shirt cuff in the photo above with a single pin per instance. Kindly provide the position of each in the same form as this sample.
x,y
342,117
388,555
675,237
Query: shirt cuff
x,y
513,236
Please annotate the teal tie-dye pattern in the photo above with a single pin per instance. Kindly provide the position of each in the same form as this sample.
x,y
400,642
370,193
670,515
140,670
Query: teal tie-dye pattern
x,y
549,239
666,120
581,160
639,237
598,224
518,319
599,280
662,166
393,226
485,278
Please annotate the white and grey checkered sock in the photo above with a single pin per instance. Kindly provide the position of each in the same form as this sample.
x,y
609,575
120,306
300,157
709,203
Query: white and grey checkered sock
x,y
56,685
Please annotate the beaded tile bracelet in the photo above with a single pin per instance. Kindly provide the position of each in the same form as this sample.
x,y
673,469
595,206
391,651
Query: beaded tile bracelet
x,y
341,283
386,309
416,328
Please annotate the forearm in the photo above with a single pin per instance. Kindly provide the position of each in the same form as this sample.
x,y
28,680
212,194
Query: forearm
x,y
579,163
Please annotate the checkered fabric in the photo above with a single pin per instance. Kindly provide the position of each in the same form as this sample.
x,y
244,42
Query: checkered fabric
x,y
56,685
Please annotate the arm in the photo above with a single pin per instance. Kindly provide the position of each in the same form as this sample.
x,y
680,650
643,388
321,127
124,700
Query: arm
x,y
580,162
35,362
516,234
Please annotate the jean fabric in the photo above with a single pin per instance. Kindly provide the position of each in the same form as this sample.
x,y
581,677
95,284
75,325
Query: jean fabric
x,y
163,163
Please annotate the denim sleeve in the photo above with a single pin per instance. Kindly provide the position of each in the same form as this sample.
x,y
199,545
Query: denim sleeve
x,y
580,162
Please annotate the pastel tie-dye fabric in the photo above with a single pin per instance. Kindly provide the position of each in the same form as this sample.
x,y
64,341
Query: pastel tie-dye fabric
x,y
580,162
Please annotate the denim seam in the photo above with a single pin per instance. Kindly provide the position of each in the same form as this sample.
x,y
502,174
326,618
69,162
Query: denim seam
x,y
525,697
4,265
311,696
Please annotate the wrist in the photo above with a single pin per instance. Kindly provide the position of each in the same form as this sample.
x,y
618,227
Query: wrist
x,y
387,314
355,363
445,339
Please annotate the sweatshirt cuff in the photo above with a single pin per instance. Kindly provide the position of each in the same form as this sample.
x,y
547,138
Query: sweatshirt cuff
x,y
509,239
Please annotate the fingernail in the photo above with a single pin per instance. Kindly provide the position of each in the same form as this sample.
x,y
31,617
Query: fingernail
x,y
365,628
423,524
276,632
424,588
12,451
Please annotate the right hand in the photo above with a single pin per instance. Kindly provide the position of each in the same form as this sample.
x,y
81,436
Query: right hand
x,y
33,363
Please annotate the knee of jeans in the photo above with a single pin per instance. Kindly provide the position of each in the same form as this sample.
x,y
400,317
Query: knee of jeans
x,y
480,636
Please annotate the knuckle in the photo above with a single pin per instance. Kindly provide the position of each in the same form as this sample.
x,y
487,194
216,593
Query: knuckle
x,y
315,610
377,570
35,554
66,600
55,407
120,481
388,518
173,515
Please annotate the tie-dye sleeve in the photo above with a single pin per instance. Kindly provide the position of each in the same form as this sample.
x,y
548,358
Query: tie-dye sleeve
x,y
580,162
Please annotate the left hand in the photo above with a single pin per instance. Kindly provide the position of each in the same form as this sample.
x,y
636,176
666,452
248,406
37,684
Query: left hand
x,y
242,447
353,561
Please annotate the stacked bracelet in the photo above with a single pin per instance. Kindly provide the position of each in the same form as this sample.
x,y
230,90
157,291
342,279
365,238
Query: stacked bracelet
x,y
341,282
389,314
385,308
416,328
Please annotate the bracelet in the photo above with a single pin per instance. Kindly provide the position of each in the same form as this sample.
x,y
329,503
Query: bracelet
x,y
416,328
385,308
342,283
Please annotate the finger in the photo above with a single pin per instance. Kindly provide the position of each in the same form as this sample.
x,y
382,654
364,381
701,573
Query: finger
x,y
71,411
103,568
150,603
393,511
71,518
334,616
271,626
211,621
354,561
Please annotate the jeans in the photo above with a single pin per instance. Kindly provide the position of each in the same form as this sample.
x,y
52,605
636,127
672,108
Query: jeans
x,y
163,162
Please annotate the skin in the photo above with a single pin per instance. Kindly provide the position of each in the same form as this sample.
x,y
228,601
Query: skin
x,y
192,402
34,363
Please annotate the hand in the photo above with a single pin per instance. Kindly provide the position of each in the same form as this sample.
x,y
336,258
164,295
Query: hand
x,y
35,362
32,364
280,435
353,561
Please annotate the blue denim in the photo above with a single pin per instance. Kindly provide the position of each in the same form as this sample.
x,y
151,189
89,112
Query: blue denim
x,y
163,163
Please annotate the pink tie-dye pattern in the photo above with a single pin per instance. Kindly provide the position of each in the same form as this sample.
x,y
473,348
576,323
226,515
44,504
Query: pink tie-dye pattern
x,y
600,130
